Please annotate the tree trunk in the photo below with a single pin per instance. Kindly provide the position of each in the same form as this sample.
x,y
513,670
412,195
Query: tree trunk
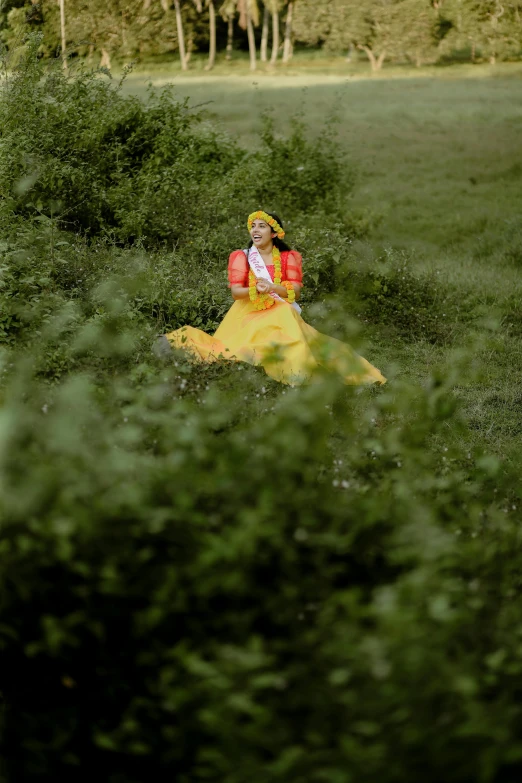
x,y
181,40
230,38
375,62
264,35
146,4
212,46
165,4
287,49
251,39
190,47
275,35
105,61
242,8
62,31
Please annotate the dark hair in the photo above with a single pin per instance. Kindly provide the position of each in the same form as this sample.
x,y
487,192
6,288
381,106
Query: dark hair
x,y
279,243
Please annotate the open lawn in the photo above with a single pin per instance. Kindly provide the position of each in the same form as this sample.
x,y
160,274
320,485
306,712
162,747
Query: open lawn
x,y
438,155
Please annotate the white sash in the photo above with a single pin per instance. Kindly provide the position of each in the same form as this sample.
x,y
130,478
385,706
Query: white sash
x,y
258,267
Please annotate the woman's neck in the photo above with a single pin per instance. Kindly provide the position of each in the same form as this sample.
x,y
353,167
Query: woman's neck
x,y
266,250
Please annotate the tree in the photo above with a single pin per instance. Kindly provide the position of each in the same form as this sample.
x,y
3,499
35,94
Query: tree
x,y
212,35
275,31
416,31
492,28
396,29
62,34
409,31
109,26
315,24
16,21
270,13
181,37
184,56
228,12
248,16
287,47
264,34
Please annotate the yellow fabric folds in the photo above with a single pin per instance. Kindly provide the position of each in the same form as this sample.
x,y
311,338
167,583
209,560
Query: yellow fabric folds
x,y
289,349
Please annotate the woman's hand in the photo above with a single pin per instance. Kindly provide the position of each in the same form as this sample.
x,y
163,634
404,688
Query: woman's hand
x,y
263,286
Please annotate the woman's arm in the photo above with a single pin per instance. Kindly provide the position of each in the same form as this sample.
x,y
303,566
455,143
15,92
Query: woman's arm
x,y
264,287
238,274
280,289
239,292
283,292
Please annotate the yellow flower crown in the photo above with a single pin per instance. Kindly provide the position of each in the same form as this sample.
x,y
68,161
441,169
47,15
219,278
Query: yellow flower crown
x,y
260,215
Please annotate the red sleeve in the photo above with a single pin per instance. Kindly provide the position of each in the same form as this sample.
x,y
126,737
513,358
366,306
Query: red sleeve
x,y
237,269
294,267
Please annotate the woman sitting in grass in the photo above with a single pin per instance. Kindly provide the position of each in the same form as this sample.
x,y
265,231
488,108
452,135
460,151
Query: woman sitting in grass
x,y
264,325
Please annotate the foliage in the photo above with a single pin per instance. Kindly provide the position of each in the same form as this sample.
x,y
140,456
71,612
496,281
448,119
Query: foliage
x,y
390,293
205,576
396,29
134,28
314,181
490,29
417,31
164,609
108,164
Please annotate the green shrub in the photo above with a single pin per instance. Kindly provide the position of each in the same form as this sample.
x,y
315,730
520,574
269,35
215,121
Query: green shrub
x,y
311,179
205,576
107,164
96,184
387,292
192,587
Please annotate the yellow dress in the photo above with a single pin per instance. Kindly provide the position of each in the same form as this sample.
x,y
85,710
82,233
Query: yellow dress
x,y
290,350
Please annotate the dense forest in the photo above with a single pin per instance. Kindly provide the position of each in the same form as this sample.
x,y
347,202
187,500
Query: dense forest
x,y
400,31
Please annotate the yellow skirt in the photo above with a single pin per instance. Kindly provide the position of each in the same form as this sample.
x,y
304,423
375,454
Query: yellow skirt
x,y
280,341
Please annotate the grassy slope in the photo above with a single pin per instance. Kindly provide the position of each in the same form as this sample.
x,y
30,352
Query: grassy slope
x,y
438,154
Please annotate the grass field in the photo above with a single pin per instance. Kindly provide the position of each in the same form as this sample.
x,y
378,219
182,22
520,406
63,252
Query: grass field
x,y
438,156
196,558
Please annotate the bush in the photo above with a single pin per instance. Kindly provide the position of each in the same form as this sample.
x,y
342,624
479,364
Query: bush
x,y
95,184
106,164
188,593
387,292
206,577
315,180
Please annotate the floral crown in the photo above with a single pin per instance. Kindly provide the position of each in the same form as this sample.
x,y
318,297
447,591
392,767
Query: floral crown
x,y
260,215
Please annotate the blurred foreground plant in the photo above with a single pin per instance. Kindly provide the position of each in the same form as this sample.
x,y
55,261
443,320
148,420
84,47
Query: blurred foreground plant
x,y
204,577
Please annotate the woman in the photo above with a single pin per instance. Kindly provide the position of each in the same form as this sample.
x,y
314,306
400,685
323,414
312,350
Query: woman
x,y
264,326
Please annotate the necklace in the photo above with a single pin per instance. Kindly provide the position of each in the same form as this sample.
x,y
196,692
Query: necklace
x,y
264,301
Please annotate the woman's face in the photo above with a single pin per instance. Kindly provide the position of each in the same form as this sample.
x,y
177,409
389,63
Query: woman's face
x,y
261,233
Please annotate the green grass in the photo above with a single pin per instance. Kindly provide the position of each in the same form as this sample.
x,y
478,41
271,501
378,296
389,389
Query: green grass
x,y
438,156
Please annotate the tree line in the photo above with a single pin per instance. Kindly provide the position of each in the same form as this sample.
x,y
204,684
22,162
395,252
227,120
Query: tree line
x,y
399,31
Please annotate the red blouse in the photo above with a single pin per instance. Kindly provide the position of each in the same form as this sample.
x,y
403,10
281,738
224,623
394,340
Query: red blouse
x,y
291,267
